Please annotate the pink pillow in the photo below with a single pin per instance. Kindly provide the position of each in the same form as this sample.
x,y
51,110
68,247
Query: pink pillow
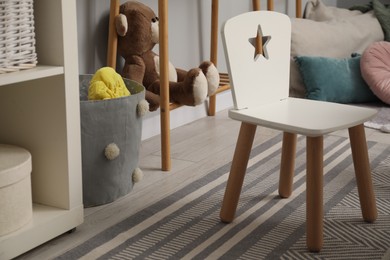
x,y
375,69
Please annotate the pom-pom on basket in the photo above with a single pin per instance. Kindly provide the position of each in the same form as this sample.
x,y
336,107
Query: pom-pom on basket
x,y
17,36
104,123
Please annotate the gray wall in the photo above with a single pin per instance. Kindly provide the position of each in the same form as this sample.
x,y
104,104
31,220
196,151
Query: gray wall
x,y
189,29
184,32
189,42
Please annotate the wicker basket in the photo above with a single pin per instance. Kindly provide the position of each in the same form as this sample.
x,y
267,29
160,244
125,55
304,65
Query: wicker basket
x,y
17,36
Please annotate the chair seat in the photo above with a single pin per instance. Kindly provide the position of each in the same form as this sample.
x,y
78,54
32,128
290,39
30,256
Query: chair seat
x,y
303,116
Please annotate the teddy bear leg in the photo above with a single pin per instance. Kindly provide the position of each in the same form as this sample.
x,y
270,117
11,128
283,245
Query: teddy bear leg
x,y
212,76
181,74
192,91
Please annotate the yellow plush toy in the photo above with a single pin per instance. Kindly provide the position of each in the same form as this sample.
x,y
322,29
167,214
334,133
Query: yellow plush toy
x,y
107,84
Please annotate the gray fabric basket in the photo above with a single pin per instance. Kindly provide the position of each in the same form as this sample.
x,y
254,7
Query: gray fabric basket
x,y
104,122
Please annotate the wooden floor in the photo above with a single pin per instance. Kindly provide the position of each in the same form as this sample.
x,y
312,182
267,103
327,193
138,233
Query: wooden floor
x,y
196,148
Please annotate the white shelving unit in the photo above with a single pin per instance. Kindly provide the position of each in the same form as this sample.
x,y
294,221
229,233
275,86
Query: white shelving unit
x,y
39,110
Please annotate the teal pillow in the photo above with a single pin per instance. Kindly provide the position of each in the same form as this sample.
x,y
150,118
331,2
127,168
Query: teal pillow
x,y
334,80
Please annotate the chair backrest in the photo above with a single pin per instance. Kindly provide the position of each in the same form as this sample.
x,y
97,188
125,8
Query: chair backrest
x,y
258,77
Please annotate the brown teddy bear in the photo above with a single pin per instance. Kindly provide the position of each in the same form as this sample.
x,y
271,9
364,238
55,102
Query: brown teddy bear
x,y
138,32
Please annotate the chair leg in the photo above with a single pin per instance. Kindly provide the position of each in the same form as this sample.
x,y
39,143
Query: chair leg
x,y
363,172
237,172
314,193
287,164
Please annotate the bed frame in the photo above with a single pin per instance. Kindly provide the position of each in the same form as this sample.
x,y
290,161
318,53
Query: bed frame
x,y
165,105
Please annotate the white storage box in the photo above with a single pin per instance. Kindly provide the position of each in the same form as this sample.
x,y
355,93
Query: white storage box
x,y
15,188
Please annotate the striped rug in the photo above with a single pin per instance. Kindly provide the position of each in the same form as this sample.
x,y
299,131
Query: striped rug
x,y
185,225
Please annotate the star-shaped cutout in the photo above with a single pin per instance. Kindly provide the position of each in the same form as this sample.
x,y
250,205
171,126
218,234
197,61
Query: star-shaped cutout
x,y
260,43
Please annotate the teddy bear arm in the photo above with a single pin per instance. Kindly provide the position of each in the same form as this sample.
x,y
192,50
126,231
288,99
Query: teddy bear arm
x,y
153,100
134,69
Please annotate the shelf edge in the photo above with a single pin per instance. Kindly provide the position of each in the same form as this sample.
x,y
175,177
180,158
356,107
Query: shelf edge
x,y
40,71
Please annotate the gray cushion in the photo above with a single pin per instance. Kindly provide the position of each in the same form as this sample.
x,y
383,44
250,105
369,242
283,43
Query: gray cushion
x,y
316,10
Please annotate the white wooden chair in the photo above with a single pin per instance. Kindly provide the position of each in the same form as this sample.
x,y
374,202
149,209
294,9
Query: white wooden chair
x,y
257,50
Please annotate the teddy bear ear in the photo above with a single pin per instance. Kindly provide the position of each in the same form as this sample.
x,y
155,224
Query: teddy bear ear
x,y
121,24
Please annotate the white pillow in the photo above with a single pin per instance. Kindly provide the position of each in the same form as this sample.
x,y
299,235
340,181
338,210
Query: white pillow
x,y
317,11
334,38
